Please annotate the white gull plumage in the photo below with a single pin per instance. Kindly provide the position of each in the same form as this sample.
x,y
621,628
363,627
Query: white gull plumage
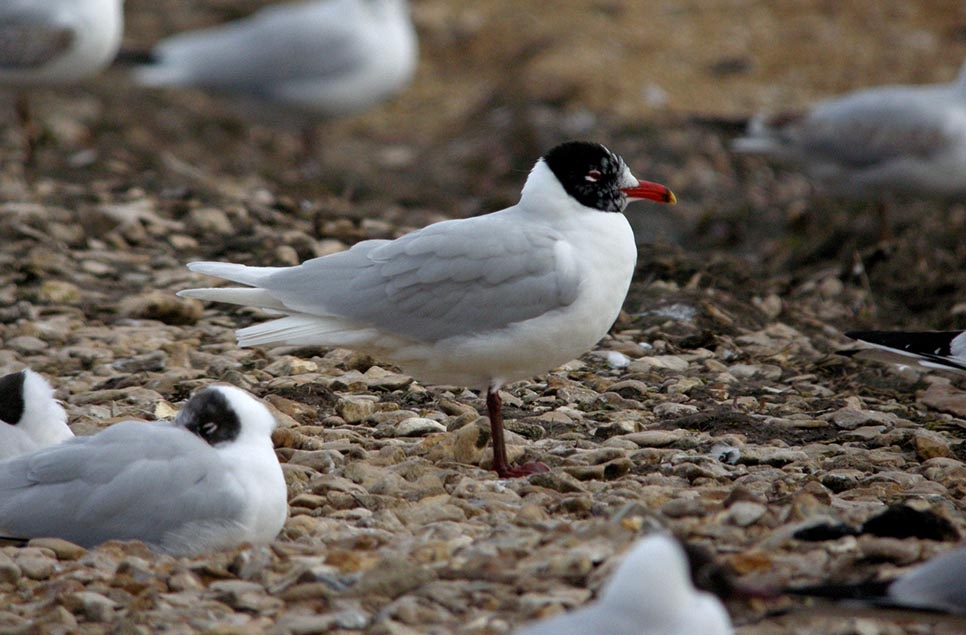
x,y
650,594
30,417
887,140
328,58
210,480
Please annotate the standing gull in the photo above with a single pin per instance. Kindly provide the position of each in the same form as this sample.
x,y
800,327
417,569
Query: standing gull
x,y
650,594
888,140
328,58
50,42
208,481
478,301
30,417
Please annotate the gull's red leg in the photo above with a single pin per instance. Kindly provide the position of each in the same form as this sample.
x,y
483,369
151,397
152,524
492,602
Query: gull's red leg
x,y
501,465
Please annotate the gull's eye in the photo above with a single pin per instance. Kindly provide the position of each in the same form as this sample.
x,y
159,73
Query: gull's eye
x,y
593,176
209,428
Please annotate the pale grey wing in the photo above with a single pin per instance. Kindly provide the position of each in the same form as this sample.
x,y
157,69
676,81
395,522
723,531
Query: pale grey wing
x,y
275,45
871,129
28,39
937,584
131,481
452,278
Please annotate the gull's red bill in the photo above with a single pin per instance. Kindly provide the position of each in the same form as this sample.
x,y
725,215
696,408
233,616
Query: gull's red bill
x,y
651,192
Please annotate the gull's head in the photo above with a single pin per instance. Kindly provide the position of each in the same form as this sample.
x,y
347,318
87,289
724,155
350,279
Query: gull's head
x,y
222,415
27,401
593,176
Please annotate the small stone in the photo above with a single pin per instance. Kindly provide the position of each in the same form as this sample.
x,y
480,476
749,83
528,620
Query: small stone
x,y
654,438
944,397
377,378
243,595
765,455
469,443
417,427
616,359
392,578
745,513
161,306
851,418
895,550
209,220
430,510
26,344
155,361
557,481
355,408
684,385
666,362
36,567
603,472
63,549
59,292
531,514
670,409
931,445
9,571
630,388
683,507
92,606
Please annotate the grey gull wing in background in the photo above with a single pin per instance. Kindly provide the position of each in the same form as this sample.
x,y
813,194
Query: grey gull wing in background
x,y
937,585
874,142
476,302
328,58
945,350
208,481
650,594
30,417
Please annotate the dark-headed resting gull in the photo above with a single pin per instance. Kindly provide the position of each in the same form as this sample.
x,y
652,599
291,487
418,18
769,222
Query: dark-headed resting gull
x,y
209,480
327,58
650,594
945,350
475,302
45,42
937,585
905,140
30,417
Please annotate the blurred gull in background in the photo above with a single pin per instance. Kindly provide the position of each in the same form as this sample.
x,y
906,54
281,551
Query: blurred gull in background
x,y
210,480
874,144
49,42
325,58
30,417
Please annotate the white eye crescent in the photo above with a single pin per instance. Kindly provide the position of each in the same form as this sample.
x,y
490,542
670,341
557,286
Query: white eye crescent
x,y
593,176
